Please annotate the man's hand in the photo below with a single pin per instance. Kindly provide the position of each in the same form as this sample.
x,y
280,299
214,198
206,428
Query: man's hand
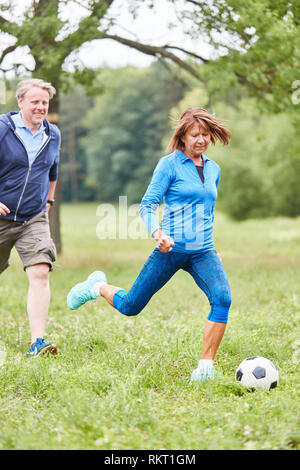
x,y
165,242
4,210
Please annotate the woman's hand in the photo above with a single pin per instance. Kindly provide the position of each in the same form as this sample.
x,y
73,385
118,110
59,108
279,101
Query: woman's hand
x,y
165,242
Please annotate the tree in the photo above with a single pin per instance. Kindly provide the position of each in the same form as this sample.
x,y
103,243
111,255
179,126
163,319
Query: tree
x,y
125,128
256,43
50,40
73,107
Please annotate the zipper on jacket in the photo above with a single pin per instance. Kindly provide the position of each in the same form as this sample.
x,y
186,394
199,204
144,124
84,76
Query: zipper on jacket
x,y
29,169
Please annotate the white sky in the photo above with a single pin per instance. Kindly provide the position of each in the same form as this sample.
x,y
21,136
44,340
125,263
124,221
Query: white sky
x,y
150,26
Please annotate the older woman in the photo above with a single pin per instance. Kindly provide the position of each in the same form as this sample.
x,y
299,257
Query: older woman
x,y
187,181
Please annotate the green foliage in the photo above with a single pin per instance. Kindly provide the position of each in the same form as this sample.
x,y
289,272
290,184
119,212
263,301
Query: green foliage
x,y
124,130
73,108
123,383
50,40
257,54
259,46
111,144
260,166
256,43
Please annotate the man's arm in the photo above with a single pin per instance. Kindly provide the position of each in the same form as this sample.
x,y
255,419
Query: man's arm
x,y
51,194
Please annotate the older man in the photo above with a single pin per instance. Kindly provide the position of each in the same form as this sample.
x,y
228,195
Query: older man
x,y
29,155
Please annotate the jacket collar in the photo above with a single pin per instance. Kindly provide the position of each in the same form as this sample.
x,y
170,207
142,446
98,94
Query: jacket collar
x,y
184,158
18,121
11,123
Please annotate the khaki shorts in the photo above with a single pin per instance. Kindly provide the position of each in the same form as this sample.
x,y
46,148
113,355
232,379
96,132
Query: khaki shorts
x,y
32,241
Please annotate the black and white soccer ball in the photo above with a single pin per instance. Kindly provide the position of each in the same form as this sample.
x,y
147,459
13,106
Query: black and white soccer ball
x,y
257,372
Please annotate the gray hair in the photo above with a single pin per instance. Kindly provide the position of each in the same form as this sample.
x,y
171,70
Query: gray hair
x,y
25,85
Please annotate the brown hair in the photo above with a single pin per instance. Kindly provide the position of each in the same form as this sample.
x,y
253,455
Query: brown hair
x,y
210,123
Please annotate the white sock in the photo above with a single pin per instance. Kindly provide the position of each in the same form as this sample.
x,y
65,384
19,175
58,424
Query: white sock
x,y
204,365
96,289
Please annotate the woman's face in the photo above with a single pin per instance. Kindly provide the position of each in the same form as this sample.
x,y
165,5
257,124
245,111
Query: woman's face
x,y
196,141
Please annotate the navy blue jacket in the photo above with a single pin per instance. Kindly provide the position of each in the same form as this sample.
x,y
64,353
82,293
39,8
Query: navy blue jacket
x,y
23,188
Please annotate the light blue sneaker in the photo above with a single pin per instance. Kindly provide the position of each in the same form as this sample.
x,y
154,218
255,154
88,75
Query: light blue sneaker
x,y
82,292
41,348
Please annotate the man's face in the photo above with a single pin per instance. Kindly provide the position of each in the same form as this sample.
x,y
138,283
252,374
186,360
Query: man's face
x,y
34,107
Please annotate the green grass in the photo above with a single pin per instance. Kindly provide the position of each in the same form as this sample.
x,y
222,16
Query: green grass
x,y
123,383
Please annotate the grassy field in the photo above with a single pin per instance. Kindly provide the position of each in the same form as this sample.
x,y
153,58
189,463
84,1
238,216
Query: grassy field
x,y
123,383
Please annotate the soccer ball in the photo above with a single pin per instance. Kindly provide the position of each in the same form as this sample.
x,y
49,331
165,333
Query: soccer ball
x,y
257,372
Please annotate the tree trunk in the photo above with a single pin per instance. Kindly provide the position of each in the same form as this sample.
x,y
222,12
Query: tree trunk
x,y
54,213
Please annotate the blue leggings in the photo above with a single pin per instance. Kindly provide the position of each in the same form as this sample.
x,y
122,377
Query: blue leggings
x,y
206,269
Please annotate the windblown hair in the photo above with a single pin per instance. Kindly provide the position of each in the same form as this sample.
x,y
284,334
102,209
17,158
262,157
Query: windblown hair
x,y
25,85
207,121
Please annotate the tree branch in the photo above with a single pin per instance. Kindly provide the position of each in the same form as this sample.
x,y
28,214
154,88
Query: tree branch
x,y
154,51
87,28
40,7
3,20
194,2
10,27
108,2
8,50
192,54
175,76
